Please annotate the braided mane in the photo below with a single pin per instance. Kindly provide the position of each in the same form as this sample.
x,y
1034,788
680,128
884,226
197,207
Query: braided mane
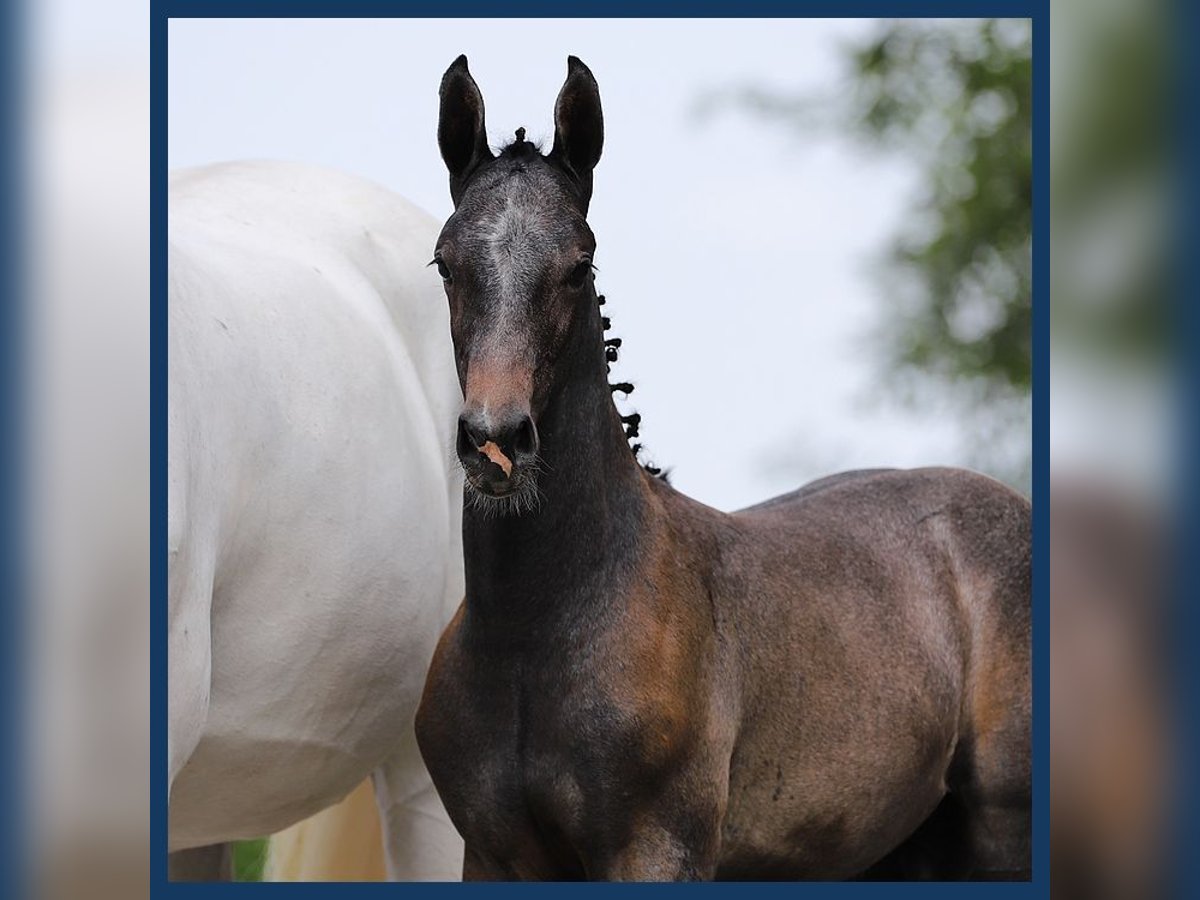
x,y
633,420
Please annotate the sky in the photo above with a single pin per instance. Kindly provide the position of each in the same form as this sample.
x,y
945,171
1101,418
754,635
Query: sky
x,y
737,258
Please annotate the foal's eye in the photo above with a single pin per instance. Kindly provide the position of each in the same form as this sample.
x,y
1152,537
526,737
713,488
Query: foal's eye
x,y
579,274
443,269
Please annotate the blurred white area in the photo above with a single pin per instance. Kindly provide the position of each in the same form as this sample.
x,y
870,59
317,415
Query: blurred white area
x,y
735,260
86,152
1112,421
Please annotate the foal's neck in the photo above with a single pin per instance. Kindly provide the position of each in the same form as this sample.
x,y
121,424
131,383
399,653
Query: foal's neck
x,y
594,500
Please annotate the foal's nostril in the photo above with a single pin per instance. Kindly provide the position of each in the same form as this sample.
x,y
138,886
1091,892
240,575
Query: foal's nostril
x,y
470,439
477,437
525,440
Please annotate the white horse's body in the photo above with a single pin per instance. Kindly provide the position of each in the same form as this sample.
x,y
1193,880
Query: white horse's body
x,y
314,504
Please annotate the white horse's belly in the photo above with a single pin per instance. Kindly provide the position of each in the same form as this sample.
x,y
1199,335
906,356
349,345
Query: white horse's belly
x,y
302,710
311,474
319,656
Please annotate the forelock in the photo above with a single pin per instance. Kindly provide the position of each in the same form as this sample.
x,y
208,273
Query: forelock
x,y
516,237
513,217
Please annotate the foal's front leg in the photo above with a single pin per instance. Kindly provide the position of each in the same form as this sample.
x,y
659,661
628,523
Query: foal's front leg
x,y
675,834
657,853
678,837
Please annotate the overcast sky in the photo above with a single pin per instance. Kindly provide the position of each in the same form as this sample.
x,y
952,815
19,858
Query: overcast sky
x,y
736,258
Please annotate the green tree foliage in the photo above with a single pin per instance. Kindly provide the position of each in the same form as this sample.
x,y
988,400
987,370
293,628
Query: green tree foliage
x,y
955,98
958,99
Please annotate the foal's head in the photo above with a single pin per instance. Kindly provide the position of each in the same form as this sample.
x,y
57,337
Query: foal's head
x,y
516,259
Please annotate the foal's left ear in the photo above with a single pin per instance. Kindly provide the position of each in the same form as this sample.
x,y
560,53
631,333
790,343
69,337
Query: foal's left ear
x,y
578,124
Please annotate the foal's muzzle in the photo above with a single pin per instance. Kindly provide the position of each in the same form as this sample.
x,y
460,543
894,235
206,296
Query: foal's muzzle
x,y
496,452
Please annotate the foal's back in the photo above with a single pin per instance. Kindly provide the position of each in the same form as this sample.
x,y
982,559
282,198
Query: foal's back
x,y
894,606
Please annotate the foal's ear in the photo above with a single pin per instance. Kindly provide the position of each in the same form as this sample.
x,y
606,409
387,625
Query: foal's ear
x,y
578,123
462,136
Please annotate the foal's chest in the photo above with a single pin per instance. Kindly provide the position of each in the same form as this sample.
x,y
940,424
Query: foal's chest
x,y
534,764
517,792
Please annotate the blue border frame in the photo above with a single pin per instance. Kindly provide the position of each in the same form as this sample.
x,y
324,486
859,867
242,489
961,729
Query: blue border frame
x,y
14,855
1041,449
158,448
1036,10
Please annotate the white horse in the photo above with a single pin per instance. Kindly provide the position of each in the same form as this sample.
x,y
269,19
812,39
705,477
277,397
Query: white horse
x,y
314,507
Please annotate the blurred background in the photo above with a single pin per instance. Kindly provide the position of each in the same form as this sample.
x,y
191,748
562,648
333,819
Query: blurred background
x,y
814,237
1119,448
82,143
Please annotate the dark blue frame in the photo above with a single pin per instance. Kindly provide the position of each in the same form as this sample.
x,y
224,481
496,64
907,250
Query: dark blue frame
x,y
14,843
1036,10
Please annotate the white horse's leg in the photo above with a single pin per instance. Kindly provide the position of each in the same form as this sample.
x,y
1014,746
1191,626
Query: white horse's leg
x,y
189,664
341,843
420,842
213,863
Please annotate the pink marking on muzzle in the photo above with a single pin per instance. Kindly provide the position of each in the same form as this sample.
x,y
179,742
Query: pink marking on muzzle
x,y
492,452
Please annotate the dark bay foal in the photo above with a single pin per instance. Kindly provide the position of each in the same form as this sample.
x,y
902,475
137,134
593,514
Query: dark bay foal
x,y
833,684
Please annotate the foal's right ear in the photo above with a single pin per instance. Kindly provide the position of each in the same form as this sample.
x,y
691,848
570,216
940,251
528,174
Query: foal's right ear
x,y
462,136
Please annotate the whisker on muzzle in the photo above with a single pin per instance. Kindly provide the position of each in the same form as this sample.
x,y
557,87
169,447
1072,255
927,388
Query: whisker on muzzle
x,y
526,497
